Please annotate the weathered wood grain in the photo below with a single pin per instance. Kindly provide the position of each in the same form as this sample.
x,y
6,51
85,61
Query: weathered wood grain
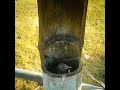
x,y
61,36
61,26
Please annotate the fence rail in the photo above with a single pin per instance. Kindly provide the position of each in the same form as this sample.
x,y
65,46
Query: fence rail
x,y
29,75
37,77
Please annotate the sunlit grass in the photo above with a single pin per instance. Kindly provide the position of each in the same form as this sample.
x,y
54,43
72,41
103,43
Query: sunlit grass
x,y
26,41
94,44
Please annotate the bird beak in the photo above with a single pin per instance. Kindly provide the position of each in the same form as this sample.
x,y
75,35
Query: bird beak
x,y
69,67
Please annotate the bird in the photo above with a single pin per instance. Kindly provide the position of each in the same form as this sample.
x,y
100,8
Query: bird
x,y
62,68
50,63
49,60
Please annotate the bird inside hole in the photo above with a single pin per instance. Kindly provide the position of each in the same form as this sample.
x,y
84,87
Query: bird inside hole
x,y
62,68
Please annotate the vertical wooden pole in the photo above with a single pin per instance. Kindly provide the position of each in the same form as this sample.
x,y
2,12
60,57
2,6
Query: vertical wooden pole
x,y
61,36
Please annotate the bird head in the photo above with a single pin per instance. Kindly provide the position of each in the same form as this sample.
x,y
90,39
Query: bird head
x,y
66,67
63,67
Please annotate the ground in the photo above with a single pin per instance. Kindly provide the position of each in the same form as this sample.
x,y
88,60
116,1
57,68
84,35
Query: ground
x,y
26,41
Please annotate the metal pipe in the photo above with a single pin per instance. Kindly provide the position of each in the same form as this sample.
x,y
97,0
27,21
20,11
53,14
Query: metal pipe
x,y
29,75
37,77
90,87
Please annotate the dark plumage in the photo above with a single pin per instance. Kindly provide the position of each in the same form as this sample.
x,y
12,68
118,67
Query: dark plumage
x,y
49,60
62,68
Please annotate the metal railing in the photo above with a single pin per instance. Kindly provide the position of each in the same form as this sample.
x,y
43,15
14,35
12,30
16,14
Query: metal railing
x,y
37,77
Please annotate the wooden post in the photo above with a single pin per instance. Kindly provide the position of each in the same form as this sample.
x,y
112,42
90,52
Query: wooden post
x,y
61,39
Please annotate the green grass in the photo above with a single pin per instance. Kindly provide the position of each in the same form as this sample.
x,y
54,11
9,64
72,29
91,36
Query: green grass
x,y
95,42
26,41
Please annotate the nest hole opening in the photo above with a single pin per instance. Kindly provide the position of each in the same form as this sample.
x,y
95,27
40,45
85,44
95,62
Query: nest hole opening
x,y
73,63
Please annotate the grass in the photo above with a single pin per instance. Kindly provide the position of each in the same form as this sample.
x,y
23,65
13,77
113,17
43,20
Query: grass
x,y
94,44
26,41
